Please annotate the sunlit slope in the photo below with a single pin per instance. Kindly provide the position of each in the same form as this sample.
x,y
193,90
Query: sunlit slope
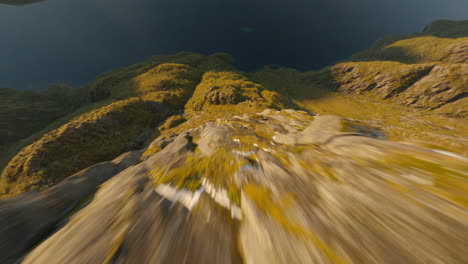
x,y
441,41
126,124
421,101
185,158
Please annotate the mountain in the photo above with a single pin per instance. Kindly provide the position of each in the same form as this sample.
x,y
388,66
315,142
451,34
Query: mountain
x,y
185,158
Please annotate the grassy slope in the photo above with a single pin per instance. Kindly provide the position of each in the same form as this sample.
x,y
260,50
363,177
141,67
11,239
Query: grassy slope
x,y
436,43
97,136
312,91
400,123
317,91
418,49
135,80
24,112
110,130
10,150
214,89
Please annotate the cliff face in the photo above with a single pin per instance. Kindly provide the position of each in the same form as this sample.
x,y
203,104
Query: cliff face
x,y
429,86
431,73
197,161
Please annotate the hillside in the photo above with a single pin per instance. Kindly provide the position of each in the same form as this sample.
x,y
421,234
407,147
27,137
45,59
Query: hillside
x,y
23,113
442,40
185,158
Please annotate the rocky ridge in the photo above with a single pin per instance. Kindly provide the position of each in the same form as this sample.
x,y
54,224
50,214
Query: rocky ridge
x,y
276,166
220,191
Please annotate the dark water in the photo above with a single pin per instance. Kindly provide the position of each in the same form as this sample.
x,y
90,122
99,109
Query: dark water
x,y
72,41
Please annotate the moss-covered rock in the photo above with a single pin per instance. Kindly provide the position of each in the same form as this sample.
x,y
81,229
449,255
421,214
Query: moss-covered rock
x,y
445,84
427,86
160,73
384,77
433,76
230,88
91,138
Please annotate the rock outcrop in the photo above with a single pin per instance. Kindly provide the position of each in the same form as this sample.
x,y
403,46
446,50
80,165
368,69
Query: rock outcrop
x,y
428,86
276,166
229,88
29,217
222,192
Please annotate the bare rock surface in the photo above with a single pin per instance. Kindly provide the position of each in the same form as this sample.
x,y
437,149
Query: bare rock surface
x,y
27,218
230,192
424,85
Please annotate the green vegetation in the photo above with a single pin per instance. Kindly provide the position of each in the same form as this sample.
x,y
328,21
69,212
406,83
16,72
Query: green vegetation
x,y
218,89
218,169
418,50
384,78
447,29
422,70
31,116
294,83
181,71
91,138
399,123
224,95
172,122
24,112
442,40
10,150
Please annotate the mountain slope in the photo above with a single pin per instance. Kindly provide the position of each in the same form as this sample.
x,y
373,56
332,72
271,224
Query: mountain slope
x,y
184,158
23,113
304,190
442,40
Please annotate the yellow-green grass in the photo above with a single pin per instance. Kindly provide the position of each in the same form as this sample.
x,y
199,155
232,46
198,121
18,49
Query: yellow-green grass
x,y
8,151
420,49
232,88
145,77
94,137
447,28
399,123
25,112
218,169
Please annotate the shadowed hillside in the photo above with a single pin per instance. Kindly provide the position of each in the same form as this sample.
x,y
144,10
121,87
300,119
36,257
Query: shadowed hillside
x,y
184,158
